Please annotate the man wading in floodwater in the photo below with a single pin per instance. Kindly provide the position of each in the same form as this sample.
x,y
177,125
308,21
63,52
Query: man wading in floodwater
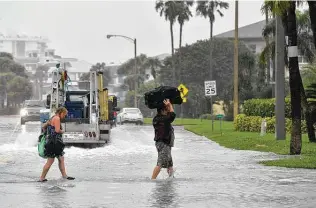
x,y
164,138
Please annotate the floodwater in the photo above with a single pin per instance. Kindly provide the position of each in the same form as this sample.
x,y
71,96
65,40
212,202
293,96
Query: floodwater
x,y
118,175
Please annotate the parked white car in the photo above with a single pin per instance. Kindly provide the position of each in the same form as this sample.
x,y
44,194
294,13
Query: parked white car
x,y
130,115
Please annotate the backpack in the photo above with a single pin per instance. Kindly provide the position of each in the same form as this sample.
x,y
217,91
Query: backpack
x,y
41,145
155,97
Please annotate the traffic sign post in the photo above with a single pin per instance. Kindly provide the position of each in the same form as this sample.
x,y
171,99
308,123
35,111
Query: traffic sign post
x,y
183,93
220,117
210,90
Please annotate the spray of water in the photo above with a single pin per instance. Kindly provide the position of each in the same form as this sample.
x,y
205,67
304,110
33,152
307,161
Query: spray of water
x,y
122,143
22,138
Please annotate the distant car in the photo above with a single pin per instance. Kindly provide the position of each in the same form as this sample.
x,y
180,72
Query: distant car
x,y
31,110
130,115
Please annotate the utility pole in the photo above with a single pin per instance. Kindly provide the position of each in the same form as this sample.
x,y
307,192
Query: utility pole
x,y
280,81
136,79
211,73
236,102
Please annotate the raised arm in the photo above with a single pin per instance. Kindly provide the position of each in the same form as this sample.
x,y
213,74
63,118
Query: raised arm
x,y
169,118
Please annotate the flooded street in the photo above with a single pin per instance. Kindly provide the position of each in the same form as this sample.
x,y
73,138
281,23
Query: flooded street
x,y
118,175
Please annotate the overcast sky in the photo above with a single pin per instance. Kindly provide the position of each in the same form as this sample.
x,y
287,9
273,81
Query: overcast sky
x,y
78,29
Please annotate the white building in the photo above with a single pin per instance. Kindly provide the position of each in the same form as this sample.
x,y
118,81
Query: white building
x,y
26,50
251,36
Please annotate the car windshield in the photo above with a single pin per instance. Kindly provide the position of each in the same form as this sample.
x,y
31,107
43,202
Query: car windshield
x,y
34,103
132,111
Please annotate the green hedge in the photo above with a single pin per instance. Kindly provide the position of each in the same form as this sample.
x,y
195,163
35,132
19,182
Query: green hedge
x,y
264,107
253,124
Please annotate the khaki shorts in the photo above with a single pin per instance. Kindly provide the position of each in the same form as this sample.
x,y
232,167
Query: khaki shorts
x,y
164,155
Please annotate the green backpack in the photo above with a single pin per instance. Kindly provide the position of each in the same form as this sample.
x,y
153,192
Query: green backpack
x,y
41,146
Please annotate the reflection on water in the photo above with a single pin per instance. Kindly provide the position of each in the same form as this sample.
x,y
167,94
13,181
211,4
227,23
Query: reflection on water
x,y
164,194
54,196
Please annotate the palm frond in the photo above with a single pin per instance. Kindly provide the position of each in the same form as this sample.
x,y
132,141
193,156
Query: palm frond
x,y
220,13
267,6
201,9
269,29
264,54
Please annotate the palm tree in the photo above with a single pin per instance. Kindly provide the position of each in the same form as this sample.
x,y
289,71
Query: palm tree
x,y
286,10
266,11
312,14
304,40
207,9
184,14
168,9
295,81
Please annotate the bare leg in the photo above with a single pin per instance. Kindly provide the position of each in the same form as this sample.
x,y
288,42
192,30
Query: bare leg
x,y
170,171
46,168
156,172
61,165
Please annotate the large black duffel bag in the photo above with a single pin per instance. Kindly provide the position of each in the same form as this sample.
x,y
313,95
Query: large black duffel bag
x,y
155,97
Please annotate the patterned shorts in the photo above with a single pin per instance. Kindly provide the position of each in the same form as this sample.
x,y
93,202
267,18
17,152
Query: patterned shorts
x,y
164,155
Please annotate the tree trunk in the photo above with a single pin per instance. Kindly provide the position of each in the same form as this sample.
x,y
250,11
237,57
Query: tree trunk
x,y
295,85
312,15
273,76
179,61
267,43
211,52
172,53
273,67
180,66
180,39
211,68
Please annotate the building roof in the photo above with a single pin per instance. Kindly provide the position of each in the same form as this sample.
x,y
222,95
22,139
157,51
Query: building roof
x,y
79,66
253,30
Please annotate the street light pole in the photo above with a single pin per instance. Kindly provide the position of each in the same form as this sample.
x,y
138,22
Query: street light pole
x,y
236,62
280,79
135,70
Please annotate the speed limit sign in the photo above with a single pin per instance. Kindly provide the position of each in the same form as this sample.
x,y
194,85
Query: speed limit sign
x,y
210,88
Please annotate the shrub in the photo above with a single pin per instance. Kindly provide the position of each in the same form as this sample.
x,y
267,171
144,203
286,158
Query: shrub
x,y
264,107
253,124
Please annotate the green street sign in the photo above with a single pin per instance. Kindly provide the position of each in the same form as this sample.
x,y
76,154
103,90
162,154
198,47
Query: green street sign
x,y
219,116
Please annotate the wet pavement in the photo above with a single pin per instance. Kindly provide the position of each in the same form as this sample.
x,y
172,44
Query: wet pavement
x,y
118,175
